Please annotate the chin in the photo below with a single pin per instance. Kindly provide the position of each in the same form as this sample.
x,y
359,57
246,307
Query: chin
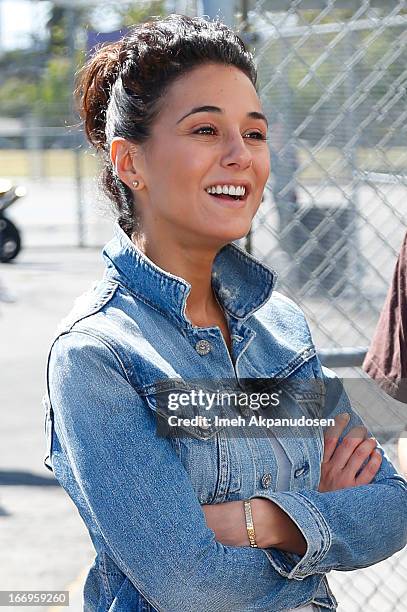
x,y
222,238
239,232
217,233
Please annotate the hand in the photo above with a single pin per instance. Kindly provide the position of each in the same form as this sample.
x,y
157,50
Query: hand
x,y
227,520
272,525
274,528
342,462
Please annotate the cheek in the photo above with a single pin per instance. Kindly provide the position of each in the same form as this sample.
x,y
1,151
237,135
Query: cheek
x,y
165,162
264,167
182,169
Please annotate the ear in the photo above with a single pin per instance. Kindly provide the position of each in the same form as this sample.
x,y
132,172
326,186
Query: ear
x,y
123,155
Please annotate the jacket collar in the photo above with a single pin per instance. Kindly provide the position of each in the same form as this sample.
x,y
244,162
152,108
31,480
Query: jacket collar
x,y
242,284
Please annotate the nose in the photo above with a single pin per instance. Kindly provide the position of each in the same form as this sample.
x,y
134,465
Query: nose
x,y
237,152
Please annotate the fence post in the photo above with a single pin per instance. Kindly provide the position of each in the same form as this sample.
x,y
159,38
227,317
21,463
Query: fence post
x,y
283,153
350,127
72,26
35,146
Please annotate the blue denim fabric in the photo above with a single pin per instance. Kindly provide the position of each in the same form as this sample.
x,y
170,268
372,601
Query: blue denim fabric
x,y
139,494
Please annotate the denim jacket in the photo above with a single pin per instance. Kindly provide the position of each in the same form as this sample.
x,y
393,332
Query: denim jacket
x,y
125,342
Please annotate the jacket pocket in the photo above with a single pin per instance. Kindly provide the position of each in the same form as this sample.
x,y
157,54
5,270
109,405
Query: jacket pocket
x,y
185,421
204,451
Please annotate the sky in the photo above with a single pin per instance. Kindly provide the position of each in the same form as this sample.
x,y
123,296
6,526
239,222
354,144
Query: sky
x,y
17,20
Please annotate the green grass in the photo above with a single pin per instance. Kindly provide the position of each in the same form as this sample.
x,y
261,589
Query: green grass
x,y
49,164
61,163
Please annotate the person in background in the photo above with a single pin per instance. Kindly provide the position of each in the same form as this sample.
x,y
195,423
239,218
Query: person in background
x,y
386,360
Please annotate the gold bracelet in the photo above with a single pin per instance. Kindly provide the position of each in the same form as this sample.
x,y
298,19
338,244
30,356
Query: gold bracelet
x,y
249,523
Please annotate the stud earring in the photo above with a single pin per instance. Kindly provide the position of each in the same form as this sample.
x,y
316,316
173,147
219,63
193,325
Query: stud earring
x,y
135,184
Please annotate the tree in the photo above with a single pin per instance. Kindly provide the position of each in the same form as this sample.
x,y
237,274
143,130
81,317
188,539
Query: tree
x,y
135,13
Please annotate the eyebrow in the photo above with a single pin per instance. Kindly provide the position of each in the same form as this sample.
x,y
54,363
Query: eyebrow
x,y
216,109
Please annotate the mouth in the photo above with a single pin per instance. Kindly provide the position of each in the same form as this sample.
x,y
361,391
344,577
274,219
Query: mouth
x,y
233,201
228,201
226,196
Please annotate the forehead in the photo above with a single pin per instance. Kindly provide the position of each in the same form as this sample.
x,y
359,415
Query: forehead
x,y
212,84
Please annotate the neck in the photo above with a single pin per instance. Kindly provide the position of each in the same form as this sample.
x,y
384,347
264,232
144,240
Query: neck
x,y
194,265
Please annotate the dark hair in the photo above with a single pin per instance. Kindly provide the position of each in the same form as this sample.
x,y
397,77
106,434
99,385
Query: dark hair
x,y
120,90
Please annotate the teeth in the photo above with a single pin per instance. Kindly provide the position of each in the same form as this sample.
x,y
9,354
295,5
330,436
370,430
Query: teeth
x,y
227,189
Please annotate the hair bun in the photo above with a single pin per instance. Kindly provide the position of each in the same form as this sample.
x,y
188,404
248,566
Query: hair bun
x,y
94,85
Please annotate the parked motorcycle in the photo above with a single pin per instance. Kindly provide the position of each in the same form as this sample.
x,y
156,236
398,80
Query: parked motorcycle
x,y
10,237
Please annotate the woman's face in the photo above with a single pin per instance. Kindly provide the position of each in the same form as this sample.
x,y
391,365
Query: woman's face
x,y
192,148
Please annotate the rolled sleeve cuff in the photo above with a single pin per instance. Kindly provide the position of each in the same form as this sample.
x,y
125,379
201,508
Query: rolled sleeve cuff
x,y
314,529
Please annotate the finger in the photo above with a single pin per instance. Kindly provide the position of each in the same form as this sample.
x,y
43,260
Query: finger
x,y
345,449
332,435
359,456
335,431
370,470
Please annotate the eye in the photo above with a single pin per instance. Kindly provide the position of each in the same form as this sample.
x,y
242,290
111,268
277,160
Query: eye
x,y
258,135
204,127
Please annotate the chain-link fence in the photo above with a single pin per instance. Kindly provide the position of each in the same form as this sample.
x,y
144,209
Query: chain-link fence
x,y
333,83
332,80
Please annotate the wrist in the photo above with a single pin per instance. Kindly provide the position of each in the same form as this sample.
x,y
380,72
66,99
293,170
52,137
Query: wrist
x,y
263,512
274,528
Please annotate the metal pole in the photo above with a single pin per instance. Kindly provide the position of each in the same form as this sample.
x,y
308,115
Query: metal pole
x,y
244,29
79,197
343,357
72,23
351,43
245,10
1,27
35,145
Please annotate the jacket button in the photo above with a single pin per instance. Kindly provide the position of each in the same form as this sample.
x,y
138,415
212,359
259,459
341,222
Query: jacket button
x,y
266,481
300,471
203,347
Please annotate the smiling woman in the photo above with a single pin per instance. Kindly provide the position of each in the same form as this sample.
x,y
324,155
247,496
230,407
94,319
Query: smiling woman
x,y
190,149
213,517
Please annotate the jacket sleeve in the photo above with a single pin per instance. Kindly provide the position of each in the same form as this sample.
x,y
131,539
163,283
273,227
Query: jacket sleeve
x,y
349,528
386,359
138,495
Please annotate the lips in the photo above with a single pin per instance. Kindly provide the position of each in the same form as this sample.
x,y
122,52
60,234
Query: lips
x,y
228,201
228,196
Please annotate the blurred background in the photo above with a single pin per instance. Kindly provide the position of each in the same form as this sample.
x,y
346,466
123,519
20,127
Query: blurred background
x,y
332,79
